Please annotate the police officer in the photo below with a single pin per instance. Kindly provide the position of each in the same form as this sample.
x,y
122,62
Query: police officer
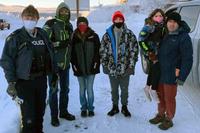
x,y
26,60
59,30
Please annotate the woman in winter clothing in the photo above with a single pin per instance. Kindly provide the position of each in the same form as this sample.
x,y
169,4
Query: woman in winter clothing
x,y
85,63
175,52
149,41
26,60
118,55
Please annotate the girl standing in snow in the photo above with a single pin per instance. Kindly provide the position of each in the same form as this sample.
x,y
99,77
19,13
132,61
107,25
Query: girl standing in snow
x,y
85,63
149,41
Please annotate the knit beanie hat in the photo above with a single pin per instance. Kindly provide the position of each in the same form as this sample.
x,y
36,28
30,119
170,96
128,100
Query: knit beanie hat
x,y
174,16
30,11
117,14
82,19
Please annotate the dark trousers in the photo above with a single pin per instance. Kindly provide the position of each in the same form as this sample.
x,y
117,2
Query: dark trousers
x,y
154,75
33,93
123,83
64,90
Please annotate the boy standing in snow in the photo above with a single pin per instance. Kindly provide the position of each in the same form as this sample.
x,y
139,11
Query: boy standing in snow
x,y
149,41
59,30
175,51
118,56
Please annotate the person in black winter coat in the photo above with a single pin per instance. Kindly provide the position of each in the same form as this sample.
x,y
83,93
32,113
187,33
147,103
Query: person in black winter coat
x,y
85,62
26,60
175,52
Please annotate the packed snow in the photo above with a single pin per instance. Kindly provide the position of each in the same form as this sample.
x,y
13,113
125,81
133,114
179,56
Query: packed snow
x,y
186,119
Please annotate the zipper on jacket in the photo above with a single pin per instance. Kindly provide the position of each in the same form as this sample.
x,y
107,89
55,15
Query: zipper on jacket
x,y
86,71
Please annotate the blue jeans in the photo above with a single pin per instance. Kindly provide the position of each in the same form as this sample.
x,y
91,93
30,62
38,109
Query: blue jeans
x,y
86,84
64,90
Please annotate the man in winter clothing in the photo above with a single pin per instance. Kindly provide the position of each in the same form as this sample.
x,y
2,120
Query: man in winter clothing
x,y
26,60
118,55
175,52
85,63
59,30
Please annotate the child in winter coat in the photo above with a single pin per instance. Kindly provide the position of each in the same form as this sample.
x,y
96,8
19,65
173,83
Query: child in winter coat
x,y
149,41
118,56
85,62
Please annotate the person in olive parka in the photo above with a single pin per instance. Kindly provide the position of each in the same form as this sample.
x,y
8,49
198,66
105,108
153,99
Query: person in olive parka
x,y
59,30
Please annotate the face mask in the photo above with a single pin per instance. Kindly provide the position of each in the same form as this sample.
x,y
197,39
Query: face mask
x,y
158,19
118,25
64,17
82,28
29,24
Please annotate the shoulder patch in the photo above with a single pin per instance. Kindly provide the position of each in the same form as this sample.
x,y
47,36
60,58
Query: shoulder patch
x,y
15,33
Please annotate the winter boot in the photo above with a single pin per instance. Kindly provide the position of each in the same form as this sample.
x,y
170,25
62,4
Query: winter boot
x,y
113,111
67,116
55,122
125,111
166,124
147,93
154,95
83,113
157,119
91,113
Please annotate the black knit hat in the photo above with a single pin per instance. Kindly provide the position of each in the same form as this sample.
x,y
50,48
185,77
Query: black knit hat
x,y
174,16
82,19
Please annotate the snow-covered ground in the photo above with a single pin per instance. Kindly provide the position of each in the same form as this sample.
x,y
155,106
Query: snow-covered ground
x,y
185,121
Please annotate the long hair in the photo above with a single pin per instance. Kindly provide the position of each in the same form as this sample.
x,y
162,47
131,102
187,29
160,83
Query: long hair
x,y
156,11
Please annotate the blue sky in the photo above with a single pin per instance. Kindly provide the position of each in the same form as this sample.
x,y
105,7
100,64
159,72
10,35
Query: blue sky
x,y
48,3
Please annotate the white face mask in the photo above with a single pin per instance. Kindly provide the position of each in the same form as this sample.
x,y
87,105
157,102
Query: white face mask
x,y
29,24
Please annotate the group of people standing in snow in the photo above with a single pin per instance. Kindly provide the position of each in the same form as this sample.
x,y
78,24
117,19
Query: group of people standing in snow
x,y
32,54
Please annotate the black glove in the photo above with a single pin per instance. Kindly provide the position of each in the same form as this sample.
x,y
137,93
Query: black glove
x,y
11,90
54,80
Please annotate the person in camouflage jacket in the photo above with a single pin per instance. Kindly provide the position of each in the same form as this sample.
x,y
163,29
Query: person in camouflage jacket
x,y
118,56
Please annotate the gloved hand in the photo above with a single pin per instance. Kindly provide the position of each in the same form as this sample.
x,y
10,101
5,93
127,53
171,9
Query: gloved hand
x,y
54,80
11,90
56,44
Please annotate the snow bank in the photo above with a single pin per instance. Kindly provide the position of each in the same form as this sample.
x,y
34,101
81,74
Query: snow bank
x,y
104,13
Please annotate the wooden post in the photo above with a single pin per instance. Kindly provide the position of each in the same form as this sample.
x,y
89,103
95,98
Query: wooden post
x,y
77,8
